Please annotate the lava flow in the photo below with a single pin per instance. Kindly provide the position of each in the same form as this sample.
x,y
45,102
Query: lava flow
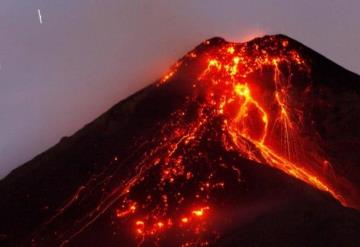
x,y
262,126
245,100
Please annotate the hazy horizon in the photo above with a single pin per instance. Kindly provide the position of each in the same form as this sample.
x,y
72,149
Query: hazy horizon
x,y
64,63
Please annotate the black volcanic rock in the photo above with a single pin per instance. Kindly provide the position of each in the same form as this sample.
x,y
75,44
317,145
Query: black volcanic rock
x,y
73,193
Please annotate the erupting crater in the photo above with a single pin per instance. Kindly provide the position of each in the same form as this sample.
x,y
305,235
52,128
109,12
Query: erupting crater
x,y
249,89
227,107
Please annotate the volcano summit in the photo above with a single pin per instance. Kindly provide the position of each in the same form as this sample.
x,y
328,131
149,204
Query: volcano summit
x,y
239,144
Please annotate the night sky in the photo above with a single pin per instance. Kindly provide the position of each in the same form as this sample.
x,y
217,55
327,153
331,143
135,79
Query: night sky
x,y
65,62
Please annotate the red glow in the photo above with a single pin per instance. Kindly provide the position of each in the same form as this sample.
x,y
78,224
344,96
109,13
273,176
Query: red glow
x,y
252,117
175,185
200,212
184,220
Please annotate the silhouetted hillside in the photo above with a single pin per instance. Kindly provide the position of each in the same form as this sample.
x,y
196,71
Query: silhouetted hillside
x,y
239,144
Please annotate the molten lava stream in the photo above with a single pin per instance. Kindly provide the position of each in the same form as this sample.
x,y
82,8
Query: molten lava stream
x,y
177,185
227,74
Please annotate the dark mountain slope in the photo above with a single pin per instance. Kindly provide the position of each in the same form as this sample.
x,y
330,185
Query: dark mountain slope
x,y
250,144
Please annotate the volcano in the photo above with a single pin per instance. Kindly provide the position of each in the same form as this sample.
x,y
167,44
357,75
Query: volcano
x,y
239,144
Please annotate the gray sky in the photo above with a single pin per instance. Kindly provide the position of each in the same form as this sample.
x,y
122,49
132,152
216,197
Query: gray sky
x,y
89,54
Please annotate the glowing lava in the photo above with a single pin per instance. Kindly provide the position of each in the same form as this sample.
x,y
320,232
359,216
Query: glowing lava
x,y
259,117
243,99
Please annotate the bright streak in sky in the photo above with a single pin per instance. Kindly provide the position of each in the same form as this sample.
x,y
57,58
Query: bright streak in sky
x,y
40,17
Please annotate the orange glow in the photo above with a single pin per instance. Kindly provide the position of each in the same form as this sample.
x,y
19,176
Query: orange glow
x,y
139,227
251,110
231,50
173,70
200,212
239,99
123,213
258,122
242,90
139,223
252,117
184,220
